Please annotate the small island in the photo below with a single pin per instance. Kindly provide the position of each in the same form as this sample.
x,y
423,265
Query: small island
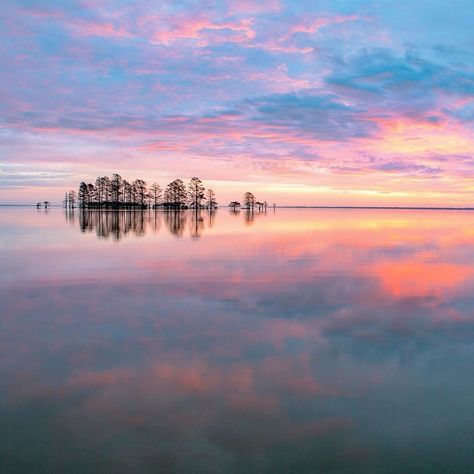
x,y
117,193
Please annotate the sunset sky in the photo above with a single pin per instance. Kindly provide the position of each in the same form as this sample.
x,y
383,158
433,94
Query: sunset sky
x,y
302,102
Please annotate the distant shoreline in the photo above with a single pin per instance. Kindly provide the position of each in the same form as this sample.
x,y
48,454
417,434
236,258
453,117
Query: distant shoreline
x,y
393,208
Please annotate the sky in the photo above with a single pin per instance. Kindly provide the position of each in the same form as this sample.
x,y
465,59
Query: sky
x,y
339,102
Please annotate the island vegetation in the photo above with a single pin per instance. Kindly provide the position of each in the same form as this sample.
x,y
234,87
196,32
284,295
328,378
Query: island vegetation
x,y
44,203
117,193
249,203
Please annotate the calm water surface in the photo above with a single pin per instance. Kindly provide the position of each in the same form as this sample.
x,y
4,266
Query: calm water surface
x,y
301,341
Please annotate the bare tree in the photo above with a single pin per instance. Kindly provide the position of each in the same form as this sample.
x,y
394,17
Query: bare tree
x,y
195,193
211,199
71,199
82,195
100,188
140,190
149,199
127,190
156,193
92,195
116,189
175,194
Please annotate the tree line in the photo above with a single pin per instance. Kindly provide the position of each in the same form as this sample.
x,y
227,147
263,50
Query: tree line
x,y
117,193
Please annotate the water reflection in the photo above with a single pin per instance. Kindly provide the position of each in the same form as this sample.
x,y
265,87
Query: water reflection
x,y
311,341
117,224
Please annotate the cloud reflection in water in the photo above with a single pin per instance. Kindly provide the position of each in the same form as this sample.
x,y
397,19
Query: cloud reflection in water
x,y
311,341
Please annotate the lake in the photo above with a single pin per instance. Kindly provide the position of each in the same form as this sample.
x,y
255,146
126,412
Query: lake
x,y
291,341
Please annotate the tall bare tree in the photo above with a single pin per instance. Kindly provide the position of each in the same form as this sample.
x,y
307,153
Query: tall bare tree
x,y
211,199
71,199
92,195
127,193
82,195
116,189
175,194
140,190
195,193
156,193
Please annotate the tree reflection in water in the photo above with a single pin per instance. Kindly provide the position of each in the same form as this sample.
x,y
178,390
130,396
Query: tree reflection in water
x,y
117,224
175,221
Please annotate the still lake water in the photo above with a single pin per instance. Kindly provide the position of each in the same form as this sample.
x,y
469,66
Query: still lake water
x,y
296,341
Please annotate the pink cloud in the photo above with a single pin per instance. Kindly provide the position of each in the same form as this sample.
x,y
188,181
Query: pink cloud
x,y
200,28
101,29
313,26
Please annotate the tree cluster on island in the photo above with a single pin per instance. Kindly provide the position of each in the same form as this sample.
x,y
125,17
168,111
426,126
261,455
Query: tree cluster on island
x,y
249,203
118,193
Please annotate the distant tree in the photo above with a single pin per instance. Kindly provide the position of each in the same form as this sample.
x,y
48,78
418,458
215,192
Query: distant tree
x,y
134,194
249,200
140,192
71,199
175,194
211,199
38,205
234,205
195,193
127,193
107,189
91,195
102,189
116,188
99,189
149,199
82,195
46,204
66,201
156,192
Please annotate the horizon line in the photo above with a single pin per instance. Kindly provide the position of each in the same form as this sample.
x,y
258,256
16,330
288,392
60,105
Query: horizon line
x,y
303,206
